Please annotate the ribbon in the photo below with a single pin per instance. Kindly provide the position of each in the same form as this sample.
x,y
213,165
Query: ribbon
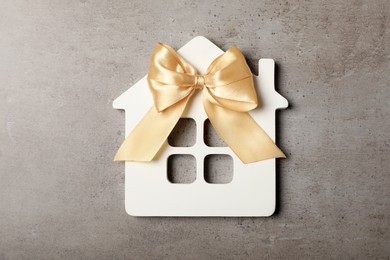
x,y
228,94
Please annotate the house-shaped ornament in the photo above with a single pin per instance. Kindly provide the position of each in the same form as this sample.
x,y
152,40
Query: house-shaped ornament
x,y
148,191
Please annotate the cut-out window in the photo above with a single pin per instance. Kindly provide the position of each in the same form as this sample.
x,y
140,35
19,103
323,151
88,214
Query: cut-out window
x,y
211,137
183,134
218,168
181,168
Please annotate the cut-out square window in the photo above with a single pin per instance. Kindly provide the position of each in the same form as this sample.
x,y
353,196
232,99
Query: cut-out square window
x,y
211,137
183,134
218,168
181,168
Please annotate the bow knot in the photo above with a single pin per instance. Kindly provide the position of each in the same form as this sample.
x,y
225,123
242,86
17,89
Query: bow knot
x,y
199,84
229,95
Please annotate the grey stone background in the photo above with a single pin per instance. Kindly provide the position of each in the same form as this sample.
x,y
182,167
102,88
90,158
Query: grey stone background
x,y
62,63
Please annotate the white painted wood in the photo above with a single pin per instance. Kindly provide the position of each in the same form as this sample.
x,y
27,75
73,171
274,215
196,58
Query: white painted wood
x,y
252,190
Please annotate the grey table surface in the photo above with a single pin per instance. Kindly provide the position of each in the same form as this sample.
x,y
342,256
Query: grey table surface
x,y
62,63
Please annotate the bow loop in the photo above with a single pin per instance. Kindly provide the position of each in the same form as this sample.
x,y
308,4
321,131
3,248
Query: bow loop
x,y
231,82
170,78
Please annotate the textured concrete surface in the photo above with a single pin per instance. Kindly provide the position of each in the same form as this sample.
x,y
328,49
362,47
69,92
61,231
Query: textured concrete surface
x,y
62,63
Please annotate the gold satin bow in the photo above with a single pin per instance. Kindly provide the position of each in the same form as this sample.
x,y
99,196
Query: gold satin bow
x,y
228,94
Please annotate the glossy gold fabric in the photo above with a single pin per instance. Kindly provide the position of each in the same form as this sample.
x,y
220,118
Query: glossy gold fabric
x,y
228,94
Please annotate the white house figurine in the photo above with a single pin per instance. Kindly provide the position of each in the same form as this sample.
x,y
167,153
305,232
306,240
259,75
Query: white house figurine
x,y
148,191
